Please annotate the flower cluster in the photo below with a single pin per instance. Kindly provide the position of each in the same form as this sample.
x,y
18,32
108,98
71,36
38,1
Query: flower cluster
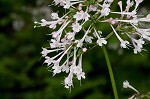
x,y
77,29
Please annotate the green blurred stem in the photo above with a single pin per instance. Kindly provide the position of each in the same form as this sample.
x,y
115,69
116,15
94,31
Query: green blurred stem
x,y
109,35
110,73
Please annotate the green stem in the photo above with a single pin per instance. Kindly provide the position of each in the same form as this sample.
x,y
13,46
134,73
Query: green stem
x,y
109,35
110,73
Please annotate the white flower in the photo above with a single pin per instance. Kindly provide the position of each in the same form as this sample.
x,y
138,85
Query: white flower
x,y
44,22
70,35
78,16
138,45
54,43
88,39
51,60
68,80
55,34
48,60
111,21
45,52
129,4
137,49
120,5
105,12
81,75
127,85
57,68
54,16
61,2
79,43
78,70
67,4
84,49
144,33
124,44
53,25
81,16
85,16
76,27
140,42
65,68
101,41
92,7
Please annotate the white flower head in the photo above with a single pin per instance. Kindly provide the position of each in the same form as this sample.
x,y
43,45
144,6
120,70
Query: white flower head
x,y
81,16
79,43
84,49
127,85
44,22
76,27
124,44
45,52
88,39
101,41
54,16
57,69
68,81
92,7
80,28
138,45
70,35
105,12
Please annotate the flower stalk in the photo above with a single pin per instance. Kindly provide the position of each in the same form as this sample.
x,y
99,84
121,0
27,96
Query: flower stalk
x,y
110,72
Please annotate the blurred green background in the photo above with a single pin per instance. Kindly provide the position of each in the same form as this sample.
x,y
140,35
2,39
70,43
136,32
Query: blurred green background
x,y
23,75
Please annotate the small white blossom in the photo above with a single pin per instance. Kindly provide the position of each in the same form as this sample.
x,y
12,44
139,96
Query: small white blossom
x,y
65,68
124,44
44,22
92,7
129,5
76,27
78,16
45,52
79,43
105,12
84,49
68,81
101,41
48,60
70,35
138,45
127,85
81,16
57,69
54,16
88,39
